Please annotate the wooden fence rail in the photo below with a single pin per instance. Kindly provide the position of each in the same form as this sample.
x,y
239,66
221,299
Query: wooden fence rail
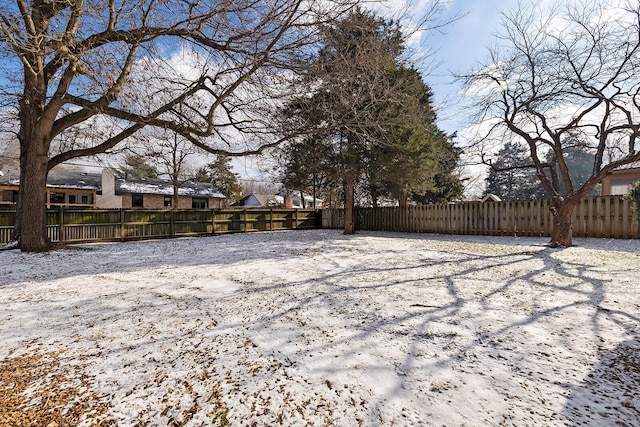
x,y
608,217
605,217
91,225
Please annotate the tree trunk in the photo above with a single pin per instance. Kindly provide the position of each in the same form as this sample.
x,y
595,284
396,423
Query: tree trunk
x,y
314,192
34,136
349,223
374,198
562,233
176,195
403,201
31,218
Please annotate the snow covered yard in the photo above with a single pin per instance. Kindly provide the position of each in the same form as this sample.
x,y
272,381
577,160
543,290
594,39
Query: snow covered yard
x,y
317,328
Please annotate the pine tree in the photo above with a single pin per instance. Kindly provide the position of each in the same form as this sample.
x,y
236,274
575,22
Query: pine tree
x,y
219,174
308,166
408,167
579,160
138,166
512,176
370,110
446,184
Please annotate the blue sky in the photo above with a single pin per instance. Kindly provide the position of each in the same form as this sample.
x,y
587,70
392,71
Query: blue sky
x,y
460,47
463,45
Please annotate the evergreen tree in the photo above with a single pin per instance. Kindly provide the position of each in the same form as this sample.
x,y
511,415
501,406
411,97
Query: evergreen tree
x,y
446,184
353,99
137,166
579,160
408,167
419,155
202,175
308,166
370,111
219,174
512,176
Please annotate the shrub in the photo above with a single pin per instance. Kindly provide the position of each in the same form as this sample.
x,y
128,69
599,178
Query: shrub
x,y
634,197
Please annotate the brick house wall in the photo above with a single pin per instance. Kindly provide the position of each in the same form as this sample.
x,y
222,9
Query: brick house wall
x,y
156,201
153,201
149,201
126,201
6,196
216,203
184,202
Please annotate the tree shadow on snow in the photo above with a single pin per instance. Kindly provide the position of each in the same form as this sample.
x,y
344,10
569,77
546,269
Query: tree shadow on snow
x,y
579,288
609,394
140,255
430,299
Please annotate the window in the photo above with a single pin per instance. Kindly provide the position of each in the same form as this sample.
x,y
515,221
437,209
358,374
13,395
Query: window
x,y
72,199
197,203
167,201
56,198
621,186
137,201
85,200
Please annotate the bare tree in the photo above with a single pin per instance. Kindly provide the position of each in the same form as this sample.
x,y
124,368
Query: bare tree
x,y
259,187
101,70
170,154
574,73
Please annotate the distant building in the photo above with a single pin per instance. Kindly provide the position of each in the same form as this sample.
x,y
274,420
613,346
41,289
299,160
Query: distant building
x,y
491,198
110,190
64,188
619,181
120,191
260,201
280,200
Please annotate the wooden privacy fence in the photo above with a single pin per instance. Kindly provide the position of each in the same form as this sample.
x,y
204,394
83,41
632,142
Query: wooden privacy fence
x,y
91,225
609,216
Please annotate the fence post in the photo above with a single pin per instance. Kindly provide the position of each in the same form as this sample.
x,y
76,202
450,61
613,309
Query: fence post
x,y
271,219
61,230
172,225
244,219
122,226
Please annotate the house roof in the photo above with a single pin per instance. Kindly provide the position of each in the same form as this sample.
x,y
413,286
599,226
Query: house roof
x,y
127,184
491,198
271,200
259,200
61,178
74,179
295,197
634,165
64,178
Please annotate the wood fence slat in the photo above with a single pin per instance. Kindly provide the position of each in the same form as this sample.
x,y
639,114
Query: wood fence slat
x,y
608,217
603,217
625,219
74,226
